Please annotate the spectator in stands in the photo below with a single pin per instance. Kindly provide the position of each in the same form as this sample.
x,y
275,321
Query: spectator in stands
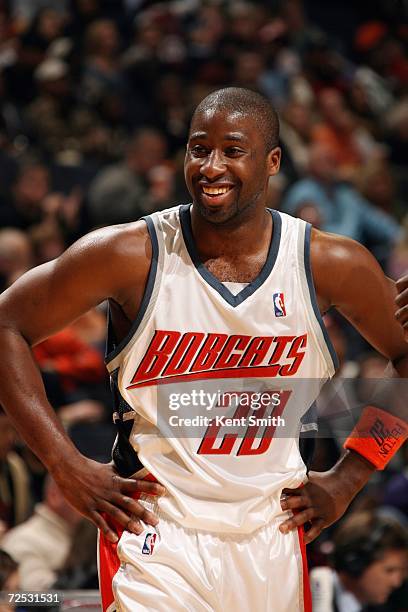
x,y
300,30
15,498
245,21
343,210
26,10
145,59
370,561
16,256
206,32
120,193
80,568
322,65
250,71
377,183
384,52
48,242
45,27
21,208
101,70
81,13
310,213
55,119
370,99
350,144
172,109
42,543
397,135
60,223
9,579
296,129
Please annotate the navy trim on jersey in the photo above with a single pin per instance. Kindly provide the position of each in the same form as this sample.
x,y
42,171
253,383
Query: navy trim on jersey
x,y
124,455
147,294
110,335
233,300
313,298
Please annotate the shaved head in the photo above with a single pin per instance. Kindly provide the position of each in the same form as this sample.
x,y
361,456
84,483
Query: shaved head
x,y
245,102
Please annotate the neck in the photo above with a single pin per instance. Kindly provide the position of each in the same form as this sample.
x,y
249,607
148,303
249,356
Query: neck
x,y
249,235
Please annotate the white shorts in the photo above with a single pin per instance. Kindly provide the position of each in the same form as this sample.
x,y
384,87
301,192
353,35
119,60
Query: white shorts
x,y
172,569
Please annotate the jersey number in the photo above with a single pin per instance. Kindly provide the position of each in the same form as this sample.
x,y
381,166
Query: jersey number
x,y
253,442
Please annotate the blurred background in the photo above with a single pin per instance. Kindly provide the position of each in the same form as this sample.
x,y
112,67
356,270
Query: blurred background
x,y
95,102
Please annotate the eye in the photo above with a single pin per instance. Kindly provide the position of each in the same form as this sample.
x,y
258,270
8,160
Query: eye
x,y
198,151
234,152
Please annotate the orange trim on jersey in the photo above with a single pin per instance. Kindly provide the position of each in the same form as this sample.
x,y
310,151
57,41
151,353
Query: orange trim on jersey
x,y
108,566
109,562
151,478
307,595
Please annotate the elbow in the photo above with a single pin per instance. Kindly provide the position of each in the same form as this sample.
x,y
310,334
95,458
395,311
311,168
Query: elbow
x,y
9,332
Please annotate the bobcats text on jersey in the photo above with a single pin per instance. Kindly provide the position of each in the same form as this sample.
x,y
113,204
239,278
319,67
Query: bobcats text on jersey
x,y
195,355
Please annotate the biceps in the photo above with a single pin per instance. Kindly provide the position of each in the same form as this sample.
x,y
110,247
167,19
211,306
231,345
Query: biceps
x,y
367,301
46,299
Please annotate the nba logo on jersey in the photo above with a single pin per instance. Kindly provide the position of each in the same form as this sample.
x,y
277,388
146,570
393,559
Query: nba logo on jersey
x,y
149,542
279,305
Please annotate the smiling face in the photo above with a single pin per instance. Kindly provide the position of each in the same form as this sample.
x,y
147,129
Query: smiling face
x,y
227,166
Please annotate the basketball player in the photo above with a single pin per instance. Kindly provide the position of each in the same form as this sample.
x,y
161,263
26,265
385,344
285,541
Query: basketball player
x,y
212,301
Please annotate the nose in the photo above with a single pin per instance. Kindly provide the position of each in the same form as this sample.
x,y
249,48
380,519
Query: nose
x,y
213,165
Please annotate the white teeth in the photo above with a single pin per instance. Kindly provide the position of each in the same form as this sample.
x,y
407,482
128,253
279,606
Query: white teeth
x,y
215,190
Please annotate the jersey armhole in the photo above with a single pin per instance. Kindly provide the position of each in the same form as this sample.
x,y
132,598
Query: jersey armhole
x,y
325,342
146,305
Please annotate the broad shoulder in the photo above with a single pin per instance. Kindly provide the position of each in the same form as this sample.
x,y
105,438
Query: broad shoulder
x,y
111,262
339,266
123,252
349,278
117,242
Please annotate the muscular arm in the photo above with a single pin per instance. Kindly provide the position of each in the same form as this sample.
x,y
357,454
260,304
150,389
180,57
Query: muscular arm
x,y
348,277
109,263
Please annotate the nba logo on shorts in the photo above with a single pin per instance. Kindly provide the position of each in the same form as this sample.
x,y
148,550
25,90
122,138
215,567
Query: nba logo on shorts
x,y
279,305
148,545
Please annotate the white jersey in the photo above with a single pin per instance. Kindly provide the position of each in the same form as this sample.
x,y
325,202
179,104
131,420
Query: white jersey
x,y
212,386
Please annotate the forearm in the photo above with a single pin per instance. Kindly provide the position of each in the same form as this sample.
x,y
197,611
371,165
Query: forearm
x,y
353,472
23,397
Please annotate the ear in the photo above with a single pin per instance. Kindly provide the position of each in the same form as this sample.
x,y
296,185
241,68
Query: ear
x,y
273,161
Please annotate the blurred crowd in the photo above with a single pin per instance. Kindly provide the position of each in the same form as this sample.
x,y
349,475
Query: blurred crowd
x,y
95,102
